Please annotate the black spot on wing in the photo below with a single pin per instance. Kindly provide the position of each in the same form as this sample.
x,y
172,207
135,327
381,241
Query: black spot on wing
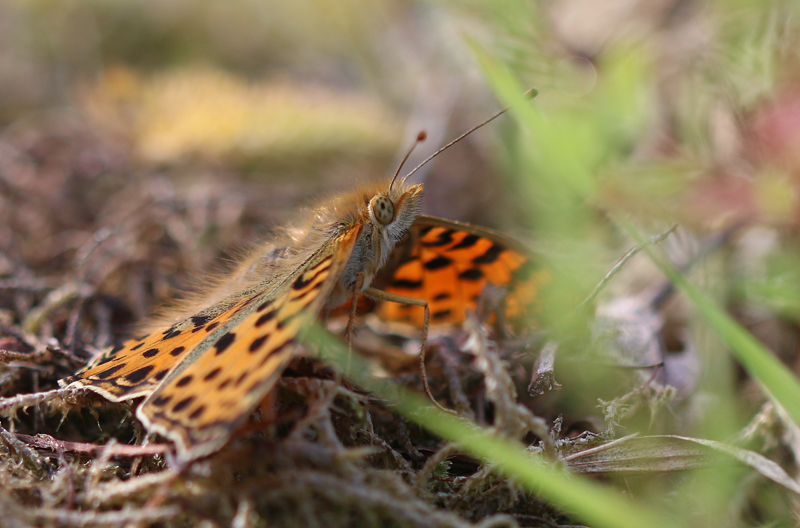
x,y
304,280
224,342
197,412
170,332
266,317
160,374
471,274
177,351
162,401
103,359
150,352
467,242
212,326
442,239
441,296
308,277
200,320
489,256
139,375
301,282
243,376
120,347
256,344
213,374
109,372
441,314
184,403
407,284
425,230
184,381
437,263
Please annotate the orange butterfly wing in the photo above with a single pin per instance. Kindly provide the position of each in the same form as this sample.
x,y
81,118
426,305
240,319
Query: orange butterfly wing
x,y
137,366
448,264
230,355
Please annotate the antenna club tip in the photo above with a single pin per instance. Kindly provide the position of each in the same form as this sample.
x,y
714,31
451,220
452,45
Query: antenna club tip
x,y
422,136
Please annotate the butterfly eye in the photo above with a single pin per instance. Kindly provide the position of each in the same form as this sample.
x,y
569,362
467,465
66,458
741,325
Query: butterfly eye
x,y
381,209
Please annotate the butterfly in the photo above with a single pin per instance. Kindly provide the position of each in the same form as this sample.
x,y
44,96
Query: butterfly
x,y
203,373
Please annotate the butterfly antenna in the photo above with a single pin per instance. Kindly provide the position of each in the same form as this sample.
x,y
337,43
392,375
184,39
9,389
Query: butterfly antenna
x,y
422,136
529,94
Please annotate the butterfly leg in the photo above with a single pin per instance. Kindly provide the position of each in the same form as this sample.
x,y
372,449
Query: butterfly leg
x,y
381,295
350,330
351,321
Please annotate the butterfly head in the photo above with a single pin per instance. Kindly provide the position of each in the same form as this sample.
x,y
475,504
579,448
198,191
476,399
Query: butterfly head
x,y
394,211
389,214
395,205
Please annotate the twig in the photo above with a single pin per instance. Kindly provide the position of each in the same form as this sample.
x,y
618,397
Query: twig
x,y
28,456
620,264
712,244
115,518
7,356
543,377
32,285
43,441
21,401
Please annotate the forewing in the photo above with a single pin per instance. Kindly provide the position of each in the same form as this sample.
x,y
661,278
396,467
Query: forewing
x,y
202,401
448,264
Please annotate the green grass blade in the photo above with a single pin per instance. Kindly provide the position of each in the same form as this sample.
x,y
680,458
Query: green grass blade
x,y
595,504
780,384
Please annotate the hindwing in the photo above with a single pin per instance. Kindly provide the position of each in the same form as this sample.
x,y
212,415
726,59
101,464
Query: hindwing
x,y
448,264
